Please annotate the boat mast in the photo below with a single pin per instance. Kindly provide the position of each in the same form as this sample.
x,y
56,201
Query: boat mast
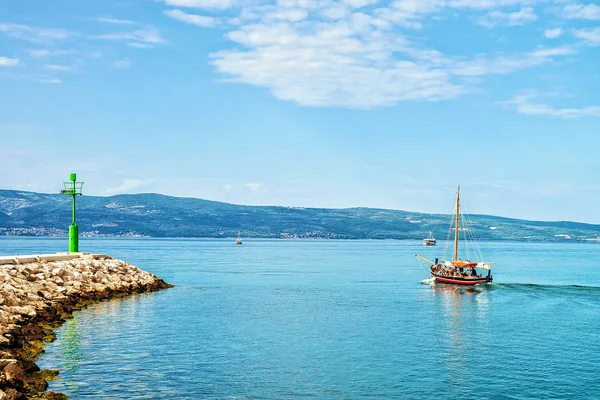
x,y
455,256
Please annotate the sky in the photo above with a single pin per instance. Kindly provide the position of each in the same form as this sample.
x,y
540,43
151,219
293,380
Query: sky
x,y
308,103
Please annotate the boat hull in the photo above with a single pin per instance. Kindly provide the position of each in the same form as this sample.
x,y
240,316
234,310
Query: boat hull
x,y
460,281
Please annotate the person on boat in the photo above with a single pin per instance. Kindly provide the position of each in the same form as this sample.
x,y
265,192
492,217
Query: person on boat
x,y
473,272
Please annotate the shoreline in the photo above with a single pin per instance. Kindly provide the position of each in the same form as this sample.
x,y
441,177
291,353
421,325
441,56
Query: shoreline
x,y
311,239
38,293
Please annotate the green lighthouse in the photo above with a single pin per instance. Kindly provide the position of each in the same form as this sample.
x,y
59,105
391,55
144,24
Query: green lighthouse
x,y
73,188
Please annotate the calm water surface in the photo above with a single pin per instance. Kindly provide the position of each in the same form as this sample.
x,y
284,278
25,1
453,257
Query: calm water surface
x,y
332,320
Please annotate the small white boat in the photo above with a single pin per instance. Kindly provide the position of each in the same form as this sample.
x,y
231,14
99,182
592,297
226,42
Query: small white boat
x,y
239,238
429,241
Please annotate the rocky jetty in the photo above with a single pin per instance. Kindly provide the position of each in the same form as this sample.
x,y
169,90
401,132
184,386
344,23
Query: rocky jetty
x,y
37,293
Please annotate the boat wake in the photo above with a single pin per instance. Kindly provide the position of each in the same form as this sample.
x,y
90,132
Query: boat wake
x,y
430,281
550,289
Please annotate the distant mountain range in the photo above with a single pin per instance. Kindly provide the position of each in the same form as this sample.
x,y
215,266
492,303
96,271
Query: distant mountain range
x,y
155,215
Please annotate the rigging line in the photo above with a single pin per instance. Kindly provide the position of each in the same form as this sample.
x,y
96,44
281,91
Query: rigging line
x,y
476,246
448,235
422,264
465,238
438,222
473,236
470,235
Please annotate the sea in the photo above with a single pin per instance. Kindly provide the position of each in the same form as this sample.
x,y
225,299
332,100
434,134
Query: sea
x,y
332,319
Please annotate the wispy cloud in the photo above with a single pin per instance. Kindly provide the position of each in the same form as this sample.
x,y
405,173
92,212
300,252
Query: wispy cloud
x,y
351,53
33,34
527,103
199,20
41,53
216,4
57,67
591,36
553,33
505,65
38,78
137,38
484,4
49,80
9,62
128,185
581,11
125,63
114,21
499,18
254,187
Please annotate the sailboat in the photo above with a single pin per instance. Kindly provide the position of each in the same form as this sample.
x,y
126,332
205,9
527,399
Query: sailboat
x,y
430,240
457,271
239,238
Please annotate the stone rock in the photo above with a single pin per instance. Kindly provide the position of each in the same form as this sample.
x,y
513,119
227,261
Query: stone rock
x,y
36,297
12,371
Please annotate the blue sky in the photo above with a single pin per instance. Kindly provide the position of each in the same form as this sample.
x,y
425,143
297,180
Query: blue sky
x,y
314,103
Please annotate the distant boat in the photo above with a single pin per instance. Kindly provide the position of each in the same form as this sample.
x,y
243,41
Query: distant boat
x,y
239,238
457,271
430,240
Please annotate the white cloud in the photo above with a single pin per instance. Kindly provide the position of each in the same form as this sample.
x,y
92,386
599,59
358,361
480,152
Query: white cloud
x,y
128,185
216,4
498,18
125,63
288,15
49,80
544,53
254,187
483,4
35,35
35,187
326,64
41,53
137,38
114,21
580,11
553,33
139,45
505,65
525,103
591,35
330,64
38,78
359,3
407,12
354,53
199,20
56,67
335,12
9,62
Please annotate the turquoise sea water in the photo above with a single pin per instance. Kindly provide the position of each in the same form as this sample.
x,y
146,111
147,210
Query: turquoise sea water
x,y
275,319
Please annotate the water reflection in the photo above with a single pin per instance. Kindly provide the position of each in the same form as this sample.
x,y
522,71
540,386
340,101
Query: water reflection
x,y
71,354
465,312
79,332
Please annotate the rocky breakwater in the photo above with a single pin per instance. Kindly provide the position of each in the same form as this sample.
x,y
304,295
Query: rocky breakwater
x,y
37,293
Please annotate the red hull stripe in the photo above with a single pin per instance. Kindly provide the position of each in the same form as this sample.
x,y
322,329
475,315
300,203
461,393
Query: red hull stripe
x,y
459,282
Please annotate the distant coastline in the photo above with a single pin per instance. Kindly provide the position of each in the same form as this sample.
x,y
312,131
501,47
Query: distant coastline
x,y
158,216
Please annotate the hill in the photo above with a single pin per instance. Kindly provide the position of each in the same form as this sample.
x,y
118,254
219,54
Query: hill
x,y
155,215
